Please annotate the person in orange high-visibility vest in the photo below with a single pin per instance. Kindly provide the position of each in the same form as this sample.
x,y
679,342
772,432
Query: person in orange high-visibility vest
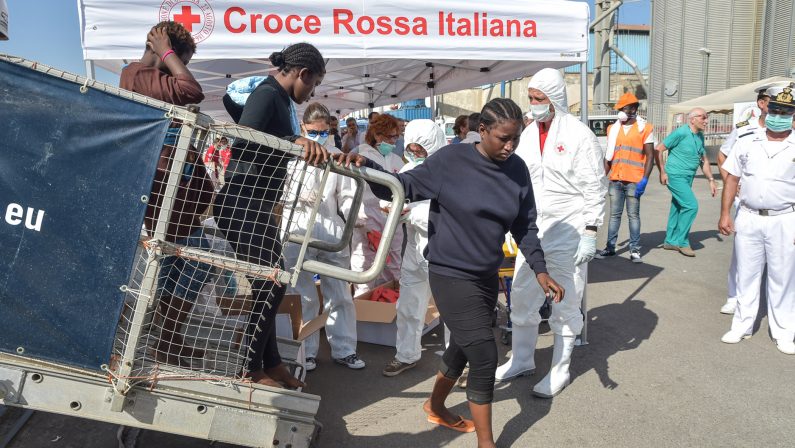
x,y
630,149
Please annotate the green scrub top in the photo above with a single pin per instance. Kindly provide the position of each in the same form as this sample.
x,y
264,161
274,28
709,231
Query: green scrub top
x,y
685,150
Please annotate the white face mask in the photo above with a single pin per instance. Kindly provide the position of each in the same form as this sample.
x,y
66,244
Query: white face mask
x,y
622,116
540,112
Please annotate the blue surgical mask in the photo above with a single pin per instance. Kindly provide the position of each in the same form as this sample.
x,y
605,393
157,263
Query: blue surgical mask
x,y
320,138
385,148
540,112
778,123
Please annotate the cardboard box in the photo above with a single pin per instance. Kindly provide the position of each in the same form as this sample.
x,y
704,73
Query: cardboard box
x,y
376,321
289,320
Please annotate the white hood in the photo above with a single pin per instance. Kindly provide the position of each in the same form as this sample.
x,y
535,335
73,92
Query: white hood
x,y
551,82
426,134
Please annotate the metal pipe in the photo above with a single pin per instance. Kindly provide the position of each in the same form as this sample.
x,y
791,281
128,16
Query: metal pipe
x,y
605,14
584,92
632,64
90,73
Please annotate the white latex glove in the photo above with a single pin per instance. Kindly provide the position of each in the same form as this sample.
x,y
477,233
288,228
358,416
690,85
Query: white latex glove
x,y
586,249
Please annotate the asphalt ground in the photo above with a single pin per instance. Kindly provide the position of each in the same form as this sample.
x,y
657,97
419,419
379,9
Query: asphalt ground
x,y
654,372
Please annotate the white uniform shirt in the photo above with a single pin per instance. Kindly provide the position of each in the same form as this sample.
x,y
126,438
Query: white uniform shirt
x,y
766,170
371,205
743,131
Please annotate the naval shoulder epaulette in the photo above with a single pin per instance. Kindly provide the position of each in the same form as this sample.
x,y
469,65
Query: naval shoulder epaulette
x,y
741,124
746,134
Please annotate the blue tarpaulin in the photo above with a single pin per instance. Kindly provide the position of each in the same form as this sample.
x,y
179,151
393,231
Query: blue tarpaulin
x,y
73,169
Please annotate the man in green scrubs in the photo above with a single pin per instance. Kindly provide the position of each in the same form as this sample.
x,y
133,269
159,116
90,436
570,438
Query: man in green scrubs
x,y
686,152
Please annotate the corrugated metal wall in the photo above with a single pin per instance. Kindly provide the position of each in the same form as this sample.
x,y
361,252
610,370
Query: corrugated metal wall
x,y
777,50
635,44
680,28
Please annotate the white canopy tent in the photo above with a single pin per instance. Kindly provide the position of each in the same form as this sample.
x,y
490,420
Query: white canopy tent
x,y
723,101
379,52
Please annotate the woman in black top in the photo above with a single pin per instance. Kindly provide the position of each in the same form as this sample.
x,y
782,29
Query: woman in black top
x,y
244,209
478,193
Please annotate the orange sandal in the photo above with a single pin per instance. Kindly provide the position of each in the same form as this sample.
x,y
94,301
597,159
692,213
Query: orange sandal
x,y
462,425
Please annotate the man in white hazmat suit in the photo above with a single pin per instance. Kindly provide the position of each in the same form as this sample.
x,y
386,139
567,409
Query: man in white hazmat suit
x,y
422,139
565,163
336,199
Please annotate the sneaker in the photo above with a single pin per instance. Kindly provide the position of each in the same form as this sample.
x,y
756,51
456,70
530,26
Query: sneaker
x,y
351,362
635,257
310,364
395,367
729,307
786,347
604,253
667,246
734,337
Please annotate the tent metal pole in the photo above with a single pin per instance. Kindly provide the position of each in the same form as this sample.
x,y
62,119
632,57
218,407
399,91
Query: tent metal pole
x,y
90,73
584,92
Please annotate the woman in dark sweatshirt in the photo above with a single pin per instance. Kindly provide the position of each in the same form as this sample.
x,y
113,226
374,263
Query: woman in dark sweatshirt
x,y
478,193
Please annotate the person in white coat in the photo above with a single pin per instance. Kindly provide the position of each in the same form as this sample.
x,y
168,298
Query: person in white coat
x,y
565,162
336,200
422,139
380,139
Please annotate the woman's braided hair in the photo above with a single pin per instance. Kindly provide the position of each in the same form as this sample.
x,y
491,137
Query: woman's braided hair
x,y
301,55
500,109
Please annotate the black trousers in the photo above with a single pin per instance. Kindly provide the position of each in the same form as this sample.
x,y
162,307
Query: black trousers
x,y
467,307
251,228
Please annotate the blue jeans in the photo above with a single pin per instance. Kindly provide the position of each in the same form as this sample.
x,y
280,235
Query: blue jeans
x,y
619,193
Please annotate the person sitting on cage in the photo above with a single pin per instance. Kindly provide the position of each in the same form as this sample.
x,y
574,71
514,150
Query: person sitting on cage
x,y
162,74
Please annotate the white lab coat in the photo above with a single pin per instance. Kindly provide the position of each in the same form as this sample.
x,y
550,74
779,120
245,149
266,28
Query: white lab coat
x,y
336,199
569,184
372,217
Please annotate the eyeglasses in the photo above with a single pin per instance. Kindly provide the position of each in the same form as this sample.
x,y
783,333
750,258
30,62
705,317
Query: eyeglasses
x,y
701,116
775,109
315,134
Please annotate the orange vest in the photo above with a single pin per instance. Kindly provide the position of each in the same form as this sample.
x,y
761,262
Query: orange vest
x,y
628,156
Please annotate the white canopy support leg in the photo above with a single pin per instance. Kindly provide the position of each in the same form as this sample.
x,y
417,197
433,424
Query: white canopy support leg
x,y
90,72
584,92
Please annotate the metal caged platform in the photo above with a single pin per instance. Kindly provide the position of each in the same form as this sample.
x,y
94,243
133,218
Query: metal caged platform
x,y
133,303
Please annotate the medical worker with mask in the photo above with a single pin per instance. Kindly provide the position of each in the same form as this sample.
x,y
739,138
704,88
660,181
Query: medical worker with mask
x,y
380,139
422,139
336,200
566,167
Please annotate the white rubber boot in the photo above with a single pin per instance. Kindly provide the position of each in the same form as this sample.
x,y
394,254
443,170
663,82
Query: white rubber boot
x,y
523,349
558,377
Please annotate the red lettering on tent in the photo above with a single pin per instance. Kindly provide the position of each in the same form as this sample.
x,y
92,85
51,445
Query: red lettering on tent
x,y
228,23
365,20
339,21
312,24
288,24
269,19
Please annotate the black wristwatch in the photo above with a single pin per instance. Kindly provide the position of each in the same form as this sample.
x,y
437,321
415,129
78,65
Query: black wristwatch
x,y
594,228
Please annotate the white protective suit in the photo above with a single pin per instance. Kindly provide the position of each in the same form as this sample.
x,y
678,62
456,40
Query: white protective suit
x,y
337,198
569,184
372,217
415,289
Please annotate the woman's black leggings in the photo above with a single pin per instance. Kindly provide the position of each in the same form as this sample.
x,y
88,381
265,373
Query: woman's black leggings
x,y
251,228
467,307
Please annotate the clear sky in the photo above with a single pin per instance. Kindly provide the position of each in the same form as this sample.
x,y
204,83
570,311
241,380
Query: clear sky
x,y
48,31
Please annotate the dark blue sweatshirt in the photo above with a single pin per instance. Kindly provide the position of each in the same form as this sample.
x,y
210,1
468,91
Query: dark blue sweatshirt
x,y
475,201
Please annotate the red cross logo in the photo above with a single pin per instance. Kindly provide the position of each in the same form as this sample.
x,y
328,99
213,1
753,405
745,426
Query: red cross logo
x,y
187,18
195,15
560,148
